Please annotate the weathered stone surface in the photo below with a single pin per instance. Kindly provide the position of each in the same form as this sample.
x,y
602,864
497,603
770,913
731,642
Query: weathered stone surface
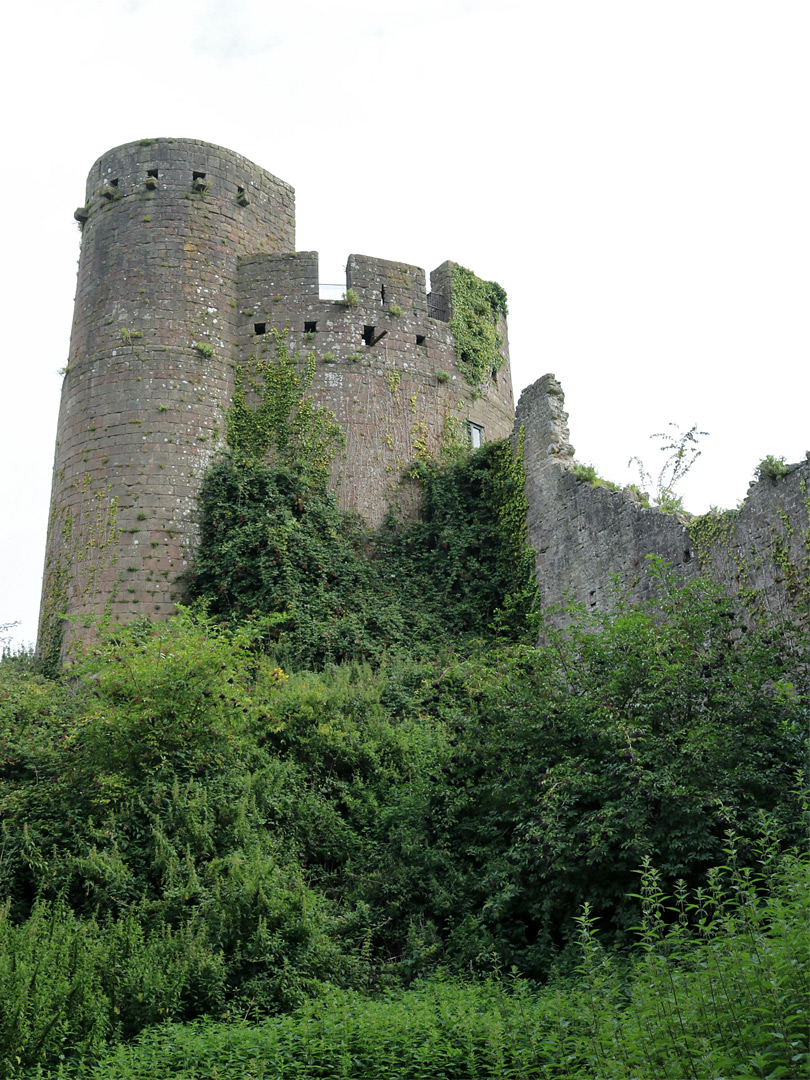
x,y
590,540
398,399
188,261
188,257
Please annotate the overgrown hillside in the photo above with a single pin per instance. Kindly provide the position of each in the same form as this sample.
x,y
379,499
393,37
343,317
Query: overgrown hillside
x,y
342,817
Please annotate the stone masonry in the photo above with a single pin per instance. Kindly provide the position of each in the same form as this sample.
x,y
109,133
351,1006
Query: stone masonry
x,y
188,267
590,541
187,263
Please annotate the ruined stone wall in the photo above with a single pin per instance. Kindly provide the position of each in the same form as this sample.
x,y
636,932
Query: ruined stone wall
x,y
761,552
589,540
384,366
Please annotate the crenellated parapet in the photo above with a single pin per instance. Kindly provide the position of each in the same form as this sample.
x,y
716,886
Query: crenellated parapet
x,y
385,367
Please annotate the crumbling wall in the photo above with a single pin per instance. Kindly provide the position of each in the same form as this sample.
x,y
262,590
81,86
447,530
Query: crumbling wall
x,y
590,541
761,552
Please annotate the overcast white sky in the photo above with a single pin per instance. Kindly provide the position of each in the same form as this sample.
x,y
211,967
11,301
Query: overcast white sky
x,y
635,173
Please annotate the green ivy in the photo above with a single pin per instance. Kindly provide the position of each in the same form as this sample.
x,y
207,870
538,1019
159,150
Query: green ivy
x,y
274,542
477,306
283,423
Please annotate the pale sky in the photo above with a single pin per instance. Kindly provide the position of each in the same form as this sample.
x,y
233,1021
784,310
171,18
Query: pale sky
x,y
635,174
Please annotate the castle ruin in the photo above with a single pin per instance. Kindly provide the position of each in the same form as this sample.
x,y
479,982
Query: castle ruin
x,y
187,264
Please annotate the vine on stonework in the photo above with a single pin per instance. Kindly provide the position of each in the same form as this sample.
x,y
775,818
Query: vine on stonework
x,y
477,306
712,536
275,547
283,423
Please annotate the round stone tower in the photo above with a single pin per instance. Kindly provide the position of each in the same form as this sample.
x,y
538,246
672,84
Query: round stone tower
x,y
149,370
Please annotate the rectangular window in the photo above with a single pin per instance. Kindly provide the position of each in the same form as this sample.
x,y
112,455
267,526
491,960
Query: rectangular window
x,y
476,435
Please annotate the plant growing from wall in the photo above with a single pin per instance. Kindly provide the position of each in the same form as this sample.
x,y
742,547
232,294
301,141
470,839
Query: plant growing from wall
x,y
771,468
588,473
271,415
273,542
682,448
477,306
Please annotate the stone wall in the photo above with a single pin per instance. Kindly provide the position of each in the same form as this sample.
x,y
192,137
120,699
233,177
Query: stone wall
x,y
386,369
188,264
590,541
761,552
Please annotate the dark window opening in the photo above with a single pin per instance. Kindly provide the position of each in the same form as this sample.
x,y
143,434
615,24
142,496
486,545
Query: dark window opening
x,y
370,337
114,183
420,339
382,293
152,172
687,556
310,327
259,328
241,196
198,176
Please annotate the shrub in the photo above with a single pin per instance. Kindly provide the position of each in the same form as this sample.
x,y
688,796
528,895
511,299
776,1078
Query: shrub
x,y
771,468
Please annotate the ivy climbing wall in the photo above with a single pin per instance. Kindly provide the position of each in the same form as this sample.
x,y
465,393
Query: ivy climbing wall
x,y
386,364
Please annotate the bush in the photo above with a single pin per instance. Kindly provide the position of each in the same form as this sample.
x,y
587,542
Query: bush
x,y
771,468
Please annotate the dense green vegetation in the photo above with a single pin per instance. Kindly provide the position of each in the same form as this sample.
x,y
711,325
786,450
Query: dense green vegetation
x,y
189,832
343,817
276,548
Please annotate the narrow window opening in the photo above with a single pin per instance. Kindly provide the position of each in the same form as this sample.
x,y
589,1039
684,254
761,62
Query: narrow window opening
x,y
420,339
114,183
476,435
259,328
152,172
241,196
382,293
371,337
310,327
687,556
